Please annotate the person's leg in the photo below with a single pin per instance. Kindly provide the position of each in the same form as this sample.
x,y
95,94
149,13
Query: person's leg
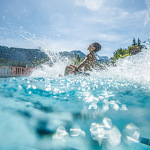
x,y
68,70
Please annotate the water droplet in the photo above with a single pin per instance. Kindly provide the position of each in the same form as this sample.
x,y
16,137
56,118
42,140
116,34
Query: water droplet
x,y
29,86
114,136
34,87
93,105
60,133
75,130
107,123
105,107
123,107
116,107
131,133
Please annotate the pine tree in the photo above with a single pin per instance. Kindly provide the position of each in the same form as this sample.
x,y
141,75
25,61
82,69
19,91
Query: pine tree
x,y
139,42
134,42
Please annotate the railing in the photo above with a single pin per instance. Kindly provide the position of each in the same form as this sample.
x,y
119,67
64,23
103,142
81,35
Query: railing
x,y
14,71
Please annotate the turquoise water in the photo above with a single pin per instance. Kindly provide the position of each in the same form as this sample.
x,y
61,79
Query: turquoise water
x,y
69,113
107,111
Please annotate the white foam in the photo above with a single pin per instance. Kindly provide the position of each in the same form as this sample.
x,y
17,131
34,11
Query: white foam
x,y
135,68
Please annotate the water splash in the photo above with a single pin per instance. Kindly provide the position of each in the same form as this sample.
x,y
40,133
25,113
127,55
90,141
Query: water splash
x,y
134,68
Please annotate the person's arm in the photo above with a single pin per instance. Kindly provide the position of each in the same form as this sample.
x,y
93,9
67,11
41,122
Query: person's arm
x,y
73,66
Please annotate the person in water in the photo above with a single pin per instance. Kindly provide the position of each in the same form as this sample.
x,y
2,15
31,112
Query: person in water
x,y
87,65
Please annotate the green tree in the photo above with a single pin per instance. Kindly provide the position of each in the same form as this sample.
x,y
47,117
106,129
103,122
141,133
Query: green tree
x,y
77,60
134,43
139,42
116,55
119,53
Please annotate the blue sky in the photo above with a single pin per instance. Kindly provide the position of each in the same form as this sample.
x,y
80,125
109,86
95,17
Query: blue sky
x,y
60,25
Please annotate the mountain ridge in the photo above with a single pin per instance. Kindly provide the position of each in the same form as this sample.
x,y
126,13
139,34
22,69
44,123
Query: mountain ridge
x,y
30,56
21,54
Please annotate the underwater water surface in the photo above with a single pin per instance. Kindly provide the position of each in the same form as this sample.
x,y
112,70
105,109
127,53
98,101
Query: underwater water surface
x,y
108,110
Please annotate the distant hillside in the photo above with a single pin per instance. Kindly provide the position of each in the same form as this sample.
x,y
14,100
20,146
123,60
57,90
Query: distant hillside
x,y
25,56
102,58
76,53
72,54
20,54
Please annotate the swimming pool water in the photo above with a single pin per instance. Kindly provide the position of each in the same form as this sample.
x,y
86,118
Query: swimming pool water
x,y
74,112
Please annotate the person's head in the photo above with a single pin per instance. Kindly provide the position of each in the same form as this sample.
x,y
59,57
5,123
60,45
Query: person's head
x,y
94,47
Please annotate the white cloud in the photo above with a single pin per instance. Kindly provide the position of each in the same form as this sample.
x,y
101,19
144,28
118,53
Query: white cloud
x,y
147,3
109,37
147,18
92,5
108,15
112,19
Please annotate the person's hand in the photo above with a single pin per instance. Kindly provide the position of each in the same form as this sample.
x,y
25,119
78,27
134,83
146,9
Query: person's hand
x,y
75,71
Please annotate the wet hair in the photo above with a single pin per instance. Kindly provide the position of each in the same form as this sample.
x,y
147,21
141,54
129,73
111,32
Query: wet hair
x,y
97,46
